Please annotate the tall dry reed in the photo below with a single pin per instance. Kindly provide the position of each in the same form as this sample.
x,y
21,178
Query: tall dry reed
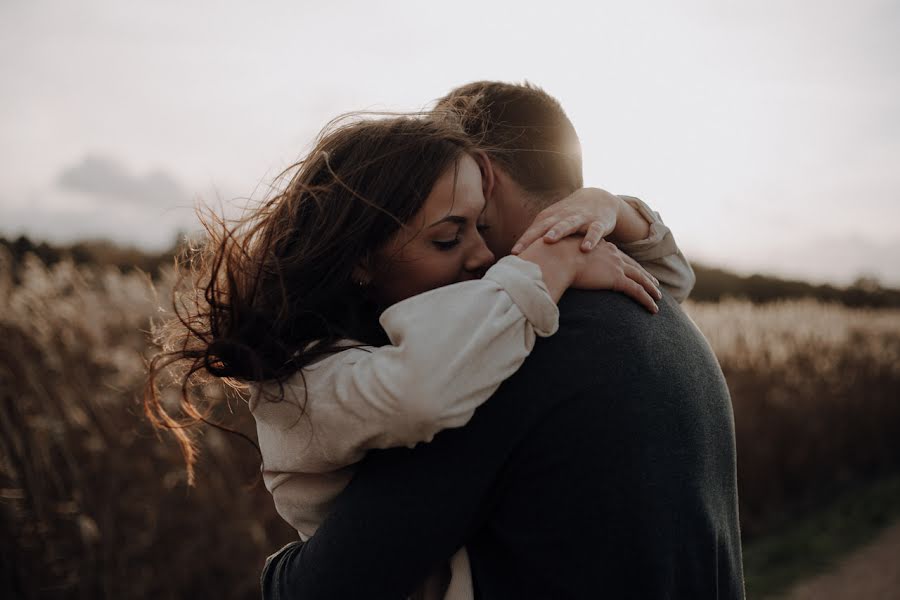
x,y
816,393
92,503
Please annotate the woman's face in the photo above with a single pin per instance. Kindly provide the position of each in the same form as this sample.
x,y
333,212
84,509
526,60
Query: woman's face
x,y
441,244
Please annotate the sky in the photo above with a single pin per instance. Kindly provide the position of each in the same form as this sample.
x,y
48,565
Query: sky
x,y
766,133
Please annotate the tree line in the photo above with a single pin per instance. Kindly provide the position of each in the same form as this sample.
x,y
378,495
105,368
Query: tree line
x,y
712,285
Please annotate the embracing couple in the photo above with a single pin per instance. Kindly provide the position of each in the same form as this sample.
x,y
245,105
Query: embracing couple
x,y
471,376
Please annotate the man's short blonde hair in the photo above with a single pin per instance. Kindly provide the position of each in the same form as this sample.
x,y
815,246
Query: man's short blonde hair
x,y
524,130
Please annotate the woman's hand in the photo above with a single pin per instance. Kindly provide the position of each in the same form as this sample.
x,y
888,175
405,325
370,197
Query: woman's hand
x,y
608,268
565,265
591,211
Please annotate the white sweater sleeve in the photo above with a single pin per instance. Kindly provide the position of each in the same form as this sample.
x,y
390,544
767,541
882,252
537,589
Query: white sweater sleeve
x,y
659,254
451,348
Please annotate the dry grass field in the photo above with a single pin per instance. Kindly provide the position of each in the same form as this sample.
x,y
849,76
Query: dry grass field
x,y
93,504
816,393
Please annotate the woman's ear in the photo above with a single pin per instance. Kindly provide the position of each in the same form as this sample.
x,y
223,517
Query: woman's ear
x,y
361,276
362,272
487,173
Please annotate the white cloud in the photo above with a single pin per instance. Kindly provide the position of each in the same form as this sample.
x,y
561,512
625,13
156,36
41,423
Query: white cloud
x,y
106,179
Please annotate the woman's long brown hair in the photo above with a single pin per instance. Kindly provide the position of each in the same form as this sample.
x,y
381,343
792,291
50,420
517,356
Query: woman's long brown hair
x,y
266,294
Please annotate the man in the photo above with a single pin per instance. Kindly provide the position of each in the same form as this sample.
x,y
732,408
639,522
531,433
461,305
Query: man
x,y
604,468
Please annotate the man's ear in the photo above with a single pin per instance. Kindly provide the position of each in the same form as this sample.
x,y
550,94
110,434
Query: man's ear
x,y
487,173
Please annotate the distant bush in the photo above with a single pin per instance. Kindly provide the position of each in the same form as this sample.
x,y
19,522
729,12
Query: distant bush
x,y
91,252
716,284
712,284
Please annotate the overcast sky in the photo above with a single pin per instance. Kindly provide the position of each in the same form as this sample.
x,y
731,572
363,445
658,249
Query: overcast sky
x,y
766,133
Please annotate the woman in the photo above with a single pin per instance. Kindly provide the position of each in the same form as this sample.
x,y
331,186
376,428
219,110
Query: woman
x,y
360,309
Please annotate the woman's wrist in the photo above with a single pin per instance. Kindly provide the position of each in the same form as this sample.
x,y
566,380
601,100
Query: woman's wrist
x,y
631,226
558,263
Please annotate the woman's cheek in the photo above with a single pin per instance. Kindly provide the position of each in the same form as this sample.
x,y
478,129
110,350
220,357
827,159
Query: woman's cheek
x,y
419,272
446,270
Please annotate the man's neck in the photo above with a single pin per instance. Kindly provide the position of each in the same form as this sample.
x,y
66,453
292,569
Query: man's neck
x,y
512,213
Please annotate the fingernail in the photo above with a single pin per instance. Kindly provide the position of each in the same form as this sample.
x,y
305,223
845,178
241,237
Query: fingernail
x,y
586,246
516,249
655,308
551,235
658,295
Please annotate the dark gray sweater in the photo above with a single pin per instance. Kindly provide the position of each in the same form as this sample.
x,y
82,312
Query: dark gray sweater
x,y
604,468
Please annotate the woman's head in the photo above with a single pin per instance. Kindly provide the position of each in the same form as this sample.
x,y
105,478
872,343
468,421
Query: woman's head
x,y
379,210
348,236
439,245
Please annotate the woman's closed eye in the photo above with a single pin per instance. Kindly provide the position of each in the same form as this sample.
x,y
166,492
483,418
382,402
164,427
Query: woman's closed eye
x,y
450,244
446,244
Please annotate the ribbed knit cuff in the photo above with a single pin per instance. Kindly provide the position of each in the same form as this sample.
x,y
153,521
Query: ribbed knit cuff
x,y
658,244
524,283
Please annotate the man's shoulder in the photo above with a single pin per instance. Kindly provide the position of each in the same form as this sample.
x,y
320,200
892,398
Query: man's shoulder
x,y
607,344
603,306
609,322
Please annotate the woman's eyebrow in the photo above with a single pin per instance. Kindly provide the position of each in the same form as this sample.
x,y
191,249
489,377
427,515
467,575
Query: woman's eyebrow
x,y
450,219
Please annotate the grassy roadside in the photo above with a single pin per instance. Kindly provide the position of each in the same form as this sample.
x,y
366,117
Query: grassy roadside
x,y
811,543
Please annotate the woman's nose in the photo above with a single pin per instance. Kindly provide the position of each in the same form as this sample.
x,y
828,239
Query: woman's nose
x,y
480,258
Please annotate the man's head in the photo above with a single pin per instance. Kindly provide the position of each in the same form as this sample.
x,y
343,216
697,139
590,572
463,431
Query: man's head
x,y
535,155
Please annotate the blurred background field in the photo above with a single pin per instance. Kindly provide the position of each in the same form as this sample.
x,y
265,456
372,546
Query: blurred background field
x,y
93,504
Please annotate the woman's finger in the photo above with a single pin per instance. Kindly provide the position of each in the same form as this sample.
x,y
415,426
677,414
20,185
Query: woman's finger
x,y
636,291
594,234
564,228
635,263
534,233
642,278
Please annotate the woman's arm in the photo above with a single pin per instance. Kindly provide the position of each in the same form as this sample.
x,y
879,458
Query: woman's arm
x,y
658,252
624,220
451,348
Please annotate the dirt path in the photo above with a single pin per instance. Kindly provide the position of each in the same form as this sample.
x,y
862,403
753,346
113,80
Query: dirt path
x,y
873,571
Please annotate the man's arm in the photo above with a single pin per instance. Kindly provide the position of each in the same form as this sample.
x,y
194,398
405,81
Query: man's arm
x,y
407,510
